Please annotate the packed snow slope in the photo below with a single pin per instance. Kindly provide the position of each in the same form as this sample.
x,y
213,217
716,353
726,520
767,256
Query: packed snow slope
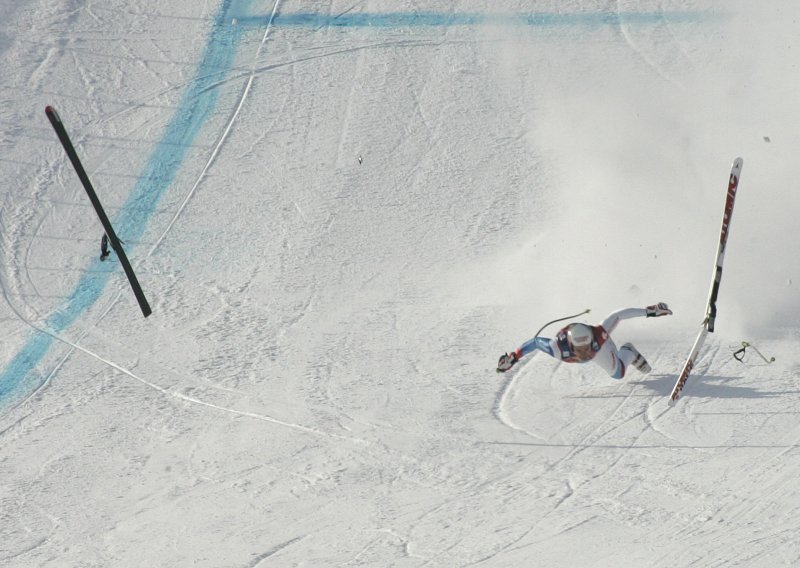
x,y
342,213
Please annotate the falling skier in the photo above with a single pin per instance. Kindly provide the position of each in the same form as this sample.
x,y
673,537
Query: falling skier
x,y
104,247
581,343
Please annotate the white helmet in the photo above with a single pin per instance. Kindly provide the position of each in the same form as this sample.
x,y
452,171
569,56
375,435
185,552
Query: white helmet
x,y
580,335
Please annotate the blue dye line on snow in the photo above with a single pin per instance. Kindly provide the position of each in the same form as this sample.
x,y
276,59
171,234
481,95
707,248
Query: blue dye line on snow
x,y
195,107
440,19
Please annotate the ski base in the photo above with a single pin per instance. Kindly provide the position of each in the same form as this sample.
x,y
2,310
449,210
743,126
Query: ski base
x,y
688,366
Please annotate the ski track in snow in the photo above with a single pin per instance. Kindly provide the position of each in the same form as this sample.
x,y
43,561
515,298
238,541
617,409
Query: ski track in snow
x,y
227,130
655,65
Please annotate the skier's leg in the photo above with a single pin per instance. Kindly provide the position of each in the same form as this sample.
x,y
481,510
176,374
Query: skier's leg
x,y
629,355
609,360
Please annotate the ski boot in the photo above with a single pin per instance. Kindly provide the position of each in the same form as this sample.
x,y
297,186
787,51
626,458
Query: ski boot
x,y
638,361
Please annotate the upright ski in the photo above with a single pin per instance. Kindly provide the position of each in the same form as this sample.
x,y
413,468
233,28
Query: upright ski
x,y
711,307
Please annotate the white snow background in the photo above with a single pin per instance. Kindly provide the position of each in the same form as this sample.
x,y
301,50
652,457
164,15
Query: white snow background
x,y
342,213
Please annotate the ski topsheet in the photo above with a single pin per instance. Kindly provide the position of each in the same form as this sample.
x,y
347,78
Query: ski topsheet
x,y
711,306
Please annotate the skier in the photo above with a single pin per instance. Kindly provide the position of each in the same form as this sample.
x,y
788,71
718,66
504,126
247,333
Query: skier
x,y
104,247
581,343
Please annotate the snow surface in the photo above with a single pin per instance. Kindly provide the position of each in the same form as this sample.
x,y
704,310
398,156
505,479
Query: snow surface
x,y
342,213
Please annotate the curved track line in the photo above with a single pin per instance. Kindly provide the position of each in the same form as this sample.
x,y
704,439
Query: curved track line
x,y
186,398
500,402
629,40
221,141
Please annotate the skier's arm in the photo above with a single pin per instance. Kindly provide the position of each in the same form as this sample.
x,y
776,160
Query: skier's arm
x,y
538,344
615,317
508,360
660,309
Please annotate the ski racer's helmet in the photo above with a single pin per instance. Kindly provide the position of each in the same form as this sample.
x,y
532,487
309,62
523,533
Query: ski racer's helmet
x,y
580,335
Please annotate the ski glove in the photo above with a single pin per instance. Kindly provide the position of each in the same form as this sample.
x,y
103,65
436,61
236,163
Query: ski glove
x,y
506,361
659,309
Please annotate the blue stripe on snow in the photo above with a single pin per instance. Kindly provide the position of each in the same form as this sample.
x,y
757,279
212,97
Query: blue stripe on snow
x,y
195,107
440,19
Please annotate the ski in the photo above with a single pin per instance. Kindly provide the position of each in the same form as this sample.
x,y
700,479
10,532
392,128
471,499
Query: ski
x,y
711,306
688,366
733,185
113,240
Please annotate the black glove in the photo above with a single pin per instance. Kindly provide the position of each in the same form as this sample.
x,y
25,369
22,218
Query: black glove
x,y
506,361
659,309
